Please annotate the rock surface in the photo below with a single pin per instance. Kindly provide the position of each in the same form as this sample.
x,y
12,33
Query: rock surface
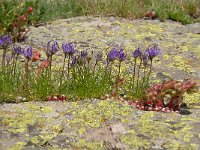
x,y
110,124
179,44
107,124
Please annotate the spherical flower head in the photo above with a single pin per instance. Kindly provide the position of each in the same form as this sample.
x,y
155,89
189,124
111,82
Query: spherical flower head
x,y
5,41
113,55
152,52
28,52
17,50
52,48
122,55
68,48
137,53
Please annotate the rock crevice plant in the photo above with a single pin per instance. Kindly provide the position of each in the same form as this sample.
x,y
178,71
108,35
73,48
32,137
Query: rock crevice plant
x,y
28,55
87,74
142,69
5,41
167,96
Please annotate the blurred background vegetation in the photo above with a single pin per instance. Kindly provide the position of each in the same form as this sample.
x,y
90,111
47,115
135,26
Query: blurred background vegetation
x,y
184,11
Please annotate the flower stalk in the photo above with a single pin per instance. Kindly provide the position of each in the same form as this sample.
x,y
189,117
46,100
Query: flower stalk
x,y
5,41
28,55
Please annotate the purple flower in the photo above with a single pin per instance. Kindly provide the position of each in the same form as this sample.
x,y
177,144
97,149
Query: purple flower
x,y
18,50
68,48
122,56
52,48
5,41
152,52
84,54
137,53
28,52
113,54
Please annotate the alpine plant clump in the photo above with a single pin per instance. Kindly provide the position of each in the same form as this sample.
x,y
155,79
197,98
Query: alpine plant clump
x,y
5,41
142,68
165,97
87,74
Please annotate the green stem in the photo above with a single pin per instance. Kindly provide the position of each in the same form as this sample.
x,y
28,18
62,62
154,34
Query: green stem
x,y
50,64
117,80
134,71
68,66
150,70
26,80
15,65
110,72
119,70
138,75
63,69
144,77
95,66
3,58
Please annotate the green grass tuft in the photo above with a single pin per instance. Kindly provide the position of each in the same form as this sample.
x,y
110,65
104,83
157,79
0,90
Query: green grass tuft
x,y
183,11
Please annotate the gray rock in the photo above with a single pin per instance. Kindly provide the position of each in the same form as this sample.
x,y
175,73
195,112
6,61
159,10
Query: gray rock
x,y
118,128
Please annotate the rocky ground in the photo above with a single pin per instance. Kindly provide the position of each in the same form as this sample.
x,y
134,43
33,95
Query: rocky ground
x,y
110,124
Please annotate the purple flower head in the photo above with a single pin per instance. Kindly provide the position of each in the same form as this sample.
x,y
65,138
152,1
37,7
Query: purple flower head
x,y
5,41
152,51
122,56
52,48
137,53
84,54
68,48
113,54
28,52
17,50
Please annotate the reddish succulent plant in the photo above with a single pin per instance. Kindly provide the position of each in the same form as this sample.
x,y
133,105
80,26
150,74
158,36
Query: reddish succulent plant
x,y
57,98
166,96
36,56
44,64
150,14
29,9
22,18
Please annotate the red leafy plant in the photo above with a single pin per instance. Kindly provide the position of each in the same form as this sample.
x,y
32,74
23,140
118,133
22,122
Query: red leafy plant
x,y
36,56
150,14
19,23
166,97
57,98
